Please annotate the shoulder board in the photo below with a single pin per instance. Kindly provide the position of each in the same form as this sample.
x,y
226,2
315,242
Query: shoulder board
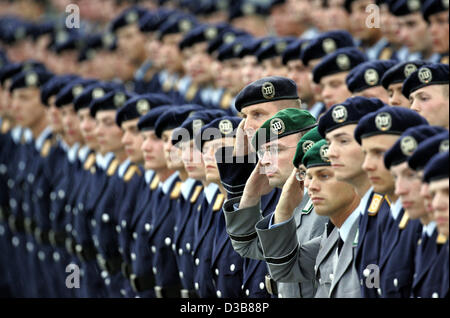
x,y
355,241
89,162
197,191
112,167
386,53
441,239
219,202
404,221
131,172
387,200
308,207
154,183
225,102
444,59
167,85
45,150
191,92
6,126
375,204
176,191
93,170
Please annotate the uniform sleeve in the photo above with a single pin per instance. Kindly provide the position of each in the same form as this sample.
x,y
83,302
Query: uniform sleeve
x,y
288,261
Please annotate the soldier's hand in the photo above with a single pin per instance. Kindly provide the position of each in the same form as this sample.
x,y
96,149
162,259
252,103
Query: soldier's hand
x,y
291,197
241,141
256,186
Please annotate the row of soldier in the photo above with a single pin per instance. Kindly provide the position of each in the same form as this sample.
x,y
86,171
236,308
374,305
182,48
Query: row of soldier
x,y
140,211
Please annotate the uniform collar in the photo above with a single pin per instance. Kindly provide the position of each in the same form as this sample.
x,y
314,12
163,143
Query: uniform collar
x,y
210,191
186,187
429,228
149,174
168,183
72,152
83,153
396,208
362,205
344,230
28,135
123,167
16,134
104,161
42,138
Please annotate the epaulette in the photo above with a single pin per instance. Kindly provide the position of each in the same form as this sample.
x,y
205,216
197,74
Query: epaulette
x,y
191,92
308,207
93,169
45,150
386,53
89,162
375,204
176,190
197,191
441,239
6,126
132,170
167,85
404,221
444,59
154,183
219,202
225,102
112,167
387,200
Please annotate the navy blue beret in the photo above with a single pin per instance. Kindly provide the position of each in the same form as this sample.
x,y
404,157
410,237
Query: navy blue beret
x,y
3,59
387,120
294,50
139,105
437,168
408,142
54,85
174,118
267,89
347,113
430,74
128,16
427,149
231,50
431,7
110,101
147,122
194,122
341,60
276,47
97,42
218,128
31,78
404,7
152,20
400,72
202,33
41,29
181,23
367,75
90,91
243,8
326,43
228,35
252,45
72,90
73,41
9,70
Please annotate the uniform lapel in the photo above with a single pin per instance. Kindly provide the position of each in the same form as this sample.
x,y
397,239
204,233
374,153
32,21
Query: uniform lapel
x,y
327,245
392,239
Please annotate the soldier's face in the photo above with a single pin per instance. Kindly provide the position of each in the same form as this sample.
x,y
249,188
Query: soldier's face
x,y
170,53
273,67
171,153
109,135
396,98
425,194
334,89
375,92
130,42
327,193
431,103
358,16
374,148
209,159
71,125
132,140
87,127
439,31
407,188
337,17
192,160
152,149
439,192
345,154
256,115
277,159
251,70
300,75
27,108
414,33
54,116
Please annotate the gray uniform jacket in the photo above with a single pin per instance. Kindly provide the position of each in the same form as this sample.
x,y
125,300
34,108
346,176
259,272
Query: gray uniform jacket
x,y
290,260
241,229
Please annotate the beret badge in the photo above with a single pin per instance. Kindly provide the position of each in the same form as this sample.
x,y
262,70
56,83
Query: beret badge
x,y
383,121
268,90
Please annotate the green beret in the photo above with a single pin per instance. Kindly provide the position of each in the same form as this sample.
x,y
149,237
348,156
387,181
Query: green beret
x,y
317,155
305,143
286,122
